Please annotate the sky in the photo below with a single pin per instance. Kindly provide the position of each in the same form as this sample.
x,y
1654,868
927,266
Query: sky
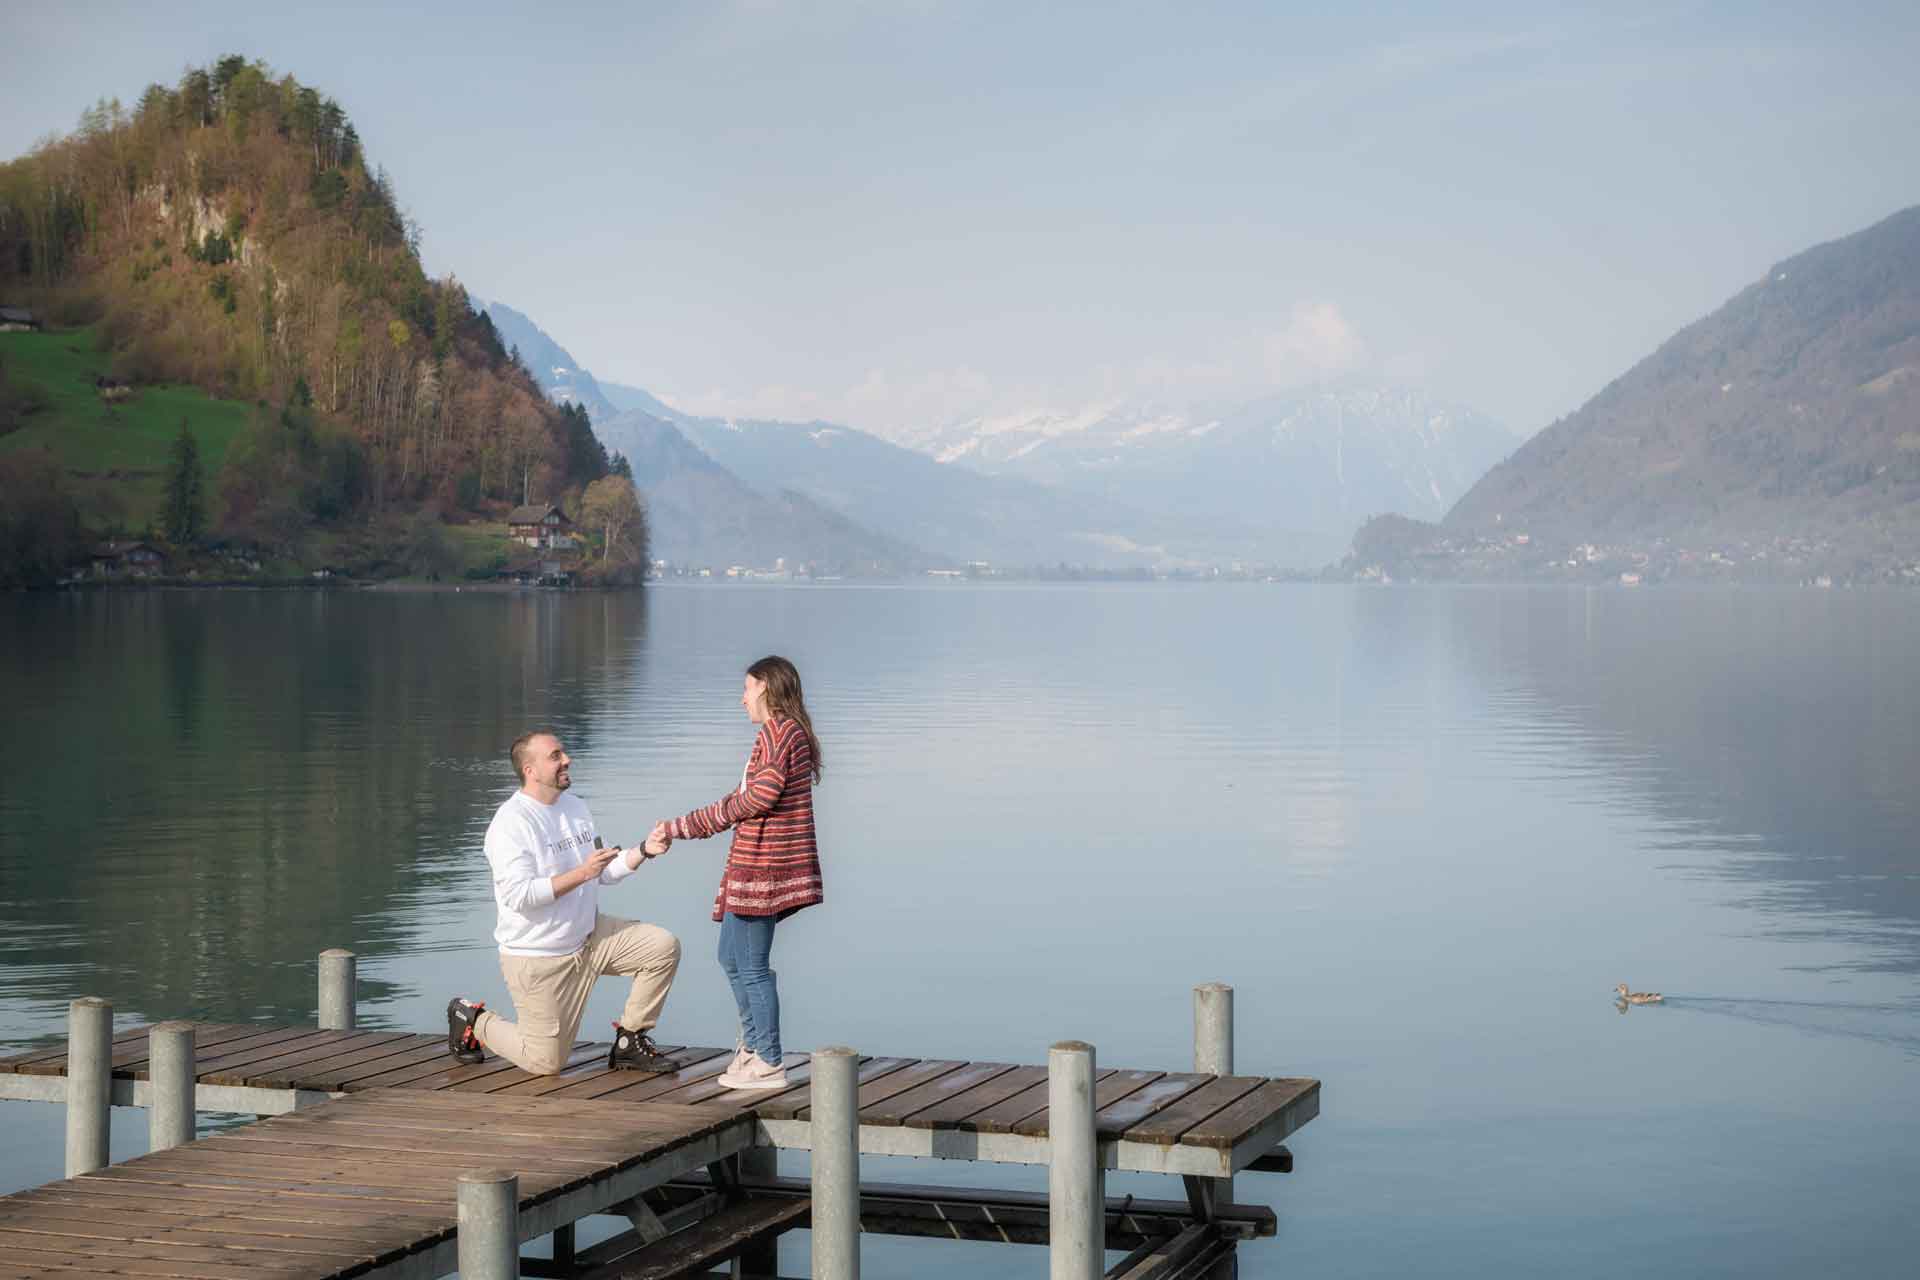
x,y
899,215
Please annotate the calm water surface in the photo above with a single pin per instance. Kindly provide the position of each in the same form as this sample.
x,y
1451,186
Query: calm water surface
x,y
1423,833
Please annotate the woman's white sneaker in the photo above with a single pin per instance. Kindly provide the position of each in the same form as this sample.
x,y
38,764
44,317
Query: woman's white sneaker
x,y
754,1074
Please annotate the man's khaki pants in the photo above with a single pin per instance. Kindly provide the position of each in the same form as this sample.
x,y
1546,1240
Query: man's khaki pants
x,y
550,992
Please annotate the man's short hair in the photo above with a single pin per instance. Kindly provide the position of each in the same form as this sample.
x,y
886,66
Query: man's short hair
x,y
519,752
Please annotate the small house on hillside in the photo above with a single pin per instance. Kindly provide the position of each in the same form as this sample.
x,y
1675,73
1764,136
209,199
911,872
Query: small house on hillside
x,y
541,526
127,560
18,320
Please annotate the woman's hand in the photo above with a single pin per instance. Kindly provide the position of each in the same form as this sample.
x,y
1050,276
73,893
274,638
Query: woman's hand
x,y
658,840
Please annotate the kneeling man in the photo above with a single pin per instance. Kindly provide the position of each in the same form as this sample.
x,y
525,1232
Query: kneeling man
x,y
554,940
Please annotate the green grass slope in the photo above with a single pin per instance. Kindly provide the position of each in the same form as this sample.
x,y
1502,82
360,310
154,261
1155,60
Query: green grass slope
x,y
115,454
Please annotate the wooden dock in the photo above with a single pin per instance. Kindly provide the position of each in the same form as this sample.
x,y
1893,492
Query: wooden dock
x,y
376,1153
357,1186
1186,1123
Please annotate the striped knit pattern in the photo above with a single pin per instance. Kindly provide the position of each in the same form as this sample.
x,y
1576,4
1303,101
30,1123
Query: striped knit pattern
x,y
774,866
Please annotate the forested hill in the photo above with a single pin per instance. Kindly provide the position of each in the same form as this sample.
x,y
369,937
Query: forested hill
x,y
1792,412
229,232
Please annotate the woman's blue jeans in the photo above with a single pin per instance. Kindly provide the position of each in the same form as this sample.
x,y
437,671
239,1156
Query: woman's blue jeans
x,y
746,948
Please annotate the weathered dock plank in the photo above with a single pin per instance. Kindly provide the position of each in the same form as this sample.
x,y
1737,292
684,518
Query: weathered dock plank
x,y
1172,1122
354,1186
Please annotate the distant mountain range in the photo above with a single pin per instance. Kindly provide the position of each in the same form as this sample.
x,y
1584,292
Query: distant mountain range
x,y
1793,410
1281,482
1298,472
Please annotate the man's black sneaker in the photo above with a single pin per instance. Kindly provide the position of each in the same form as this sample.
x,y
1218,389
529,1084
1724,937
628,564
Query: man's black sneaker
x,y
461,1042
635,1051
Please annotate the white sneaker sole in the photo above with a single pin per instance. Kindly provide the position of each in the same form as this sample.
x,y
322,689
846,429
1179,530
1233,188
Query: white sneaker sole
x,y
731,1081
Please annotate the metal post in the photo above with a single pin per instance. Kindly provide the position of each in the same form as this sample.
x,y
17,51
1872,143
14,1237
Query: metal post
x,y
170,1061
1213,1049
1076,1202
337,974
835,1139
89,1083
489,1225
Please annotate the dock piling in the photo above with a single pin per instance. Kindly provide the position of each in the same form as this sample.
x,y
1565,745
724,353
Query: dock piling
x,y
89,1083
836,1164
1076,1200
170,1058
1213,1049
338,973
489,1225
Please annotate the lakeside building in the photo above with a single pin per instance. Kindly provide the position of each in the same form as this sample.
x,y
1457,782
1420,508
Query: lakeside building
x,y
542,526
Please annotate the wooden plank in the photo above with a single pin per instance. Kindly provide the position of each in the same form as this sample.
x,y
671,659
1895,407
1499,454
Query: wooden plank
x,y
241,1066
1164,1127
954,1112
714,1092
244,1049
391,1075
217,1038
130,1047
709,1063
585,1059
175,1259
583,1054
1111,1120
108,1233
900,1106
526,1156
65,1265
387,1197
1032,1101
789,1105
110,1192
430,1077
712,1240
1226,1128
1108,1092
670,1125
12,1064
156,1214
319,1070
269,1072
880,1088
431,1131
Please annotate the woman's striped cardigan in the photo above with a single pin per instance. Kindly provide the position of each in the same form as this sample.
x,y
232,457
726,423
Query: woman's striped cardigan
x,y
774,866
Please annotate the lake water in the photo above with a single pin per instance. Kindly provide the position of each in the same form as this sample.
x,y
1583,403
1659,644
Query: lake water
x,y
1422,832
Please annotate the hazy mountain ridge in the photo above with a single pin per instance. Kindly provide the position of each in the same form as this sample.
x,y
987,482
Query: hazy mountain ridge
x,y
1793,410
1000,519
704,515
1301,470
551,364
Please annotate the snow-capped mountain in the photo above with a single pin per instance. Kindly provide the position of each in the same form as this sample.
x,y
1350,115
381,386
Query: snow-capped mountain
x,y
1316,463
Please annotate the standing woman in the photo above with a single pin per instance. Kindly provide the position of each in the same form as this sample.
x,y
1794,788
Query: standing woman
x,y
773,869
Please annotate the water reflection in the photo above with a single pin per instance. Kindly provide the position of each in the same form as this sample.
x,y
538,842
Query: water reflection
x,y
227,783
1774,734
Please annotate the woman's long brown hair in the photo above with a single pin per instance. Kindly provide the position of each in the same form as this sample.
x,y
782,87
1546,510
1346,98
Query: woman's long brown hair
x,y
784,696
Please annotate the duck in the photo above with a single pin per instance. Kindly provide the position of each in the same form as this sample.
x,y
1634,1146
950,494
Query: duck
x,y
1638,997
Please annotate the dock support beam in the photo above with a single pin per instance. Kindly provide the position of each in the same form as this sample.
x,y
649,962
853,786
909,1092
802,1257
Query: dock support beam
x,y
1076,1201
170,1064
89,1083
836,1164
1213,1050
338,970
762,1259
489,1225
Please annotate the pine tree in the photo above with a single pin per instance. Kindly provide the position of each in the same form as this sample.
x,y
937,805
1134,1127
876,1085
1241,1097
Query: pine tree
x,y
186,506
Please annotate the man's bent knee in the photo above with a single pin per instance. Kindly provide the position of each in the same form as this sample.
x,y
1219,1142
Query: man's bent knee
x,y
545,1059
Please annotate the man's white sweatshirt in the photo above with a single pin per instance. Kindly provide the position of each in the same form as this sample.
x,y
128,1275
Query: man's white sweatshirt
x,y
528,844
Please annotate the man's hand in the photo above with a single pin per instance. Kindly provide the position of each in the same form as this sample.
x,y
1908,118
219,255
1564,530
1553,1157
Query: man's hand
x,y
596,862
658,840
